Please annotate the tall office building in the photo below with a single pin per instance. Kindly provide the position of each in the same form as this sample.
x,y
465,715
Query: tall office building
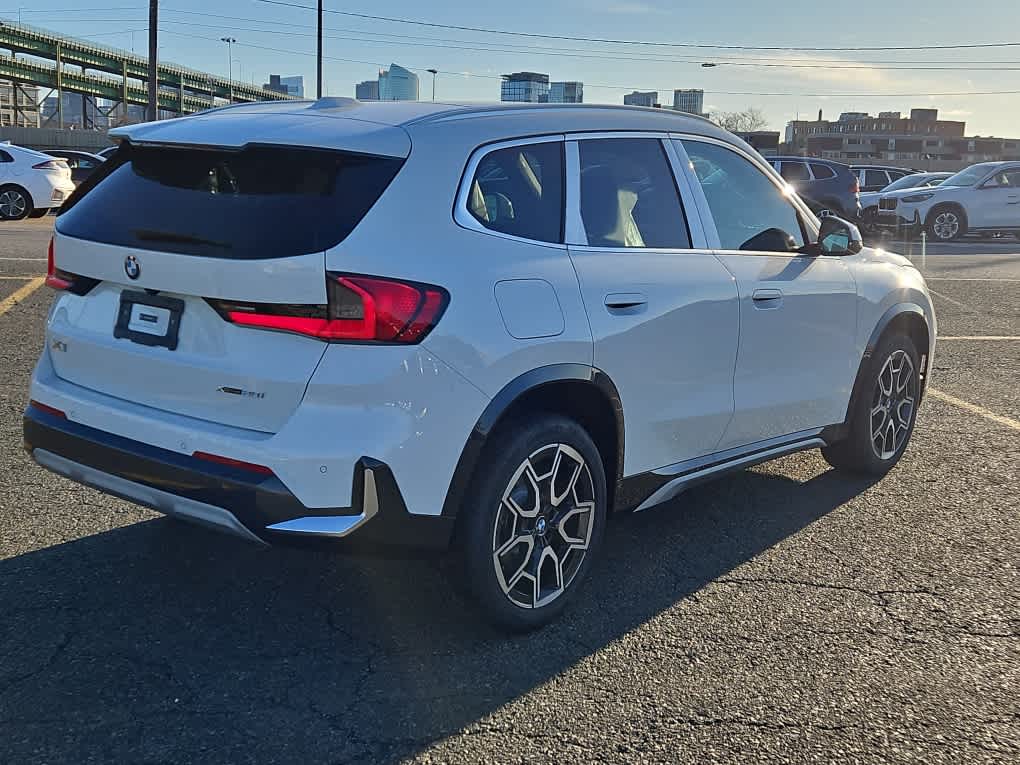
x,y
566,92
641,98
398,84
527,87
291,86
690,100
367,90
295,85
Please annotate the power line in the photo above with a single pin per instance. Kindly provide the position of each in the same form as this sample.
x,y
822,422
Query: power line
x,y
621,87
611,41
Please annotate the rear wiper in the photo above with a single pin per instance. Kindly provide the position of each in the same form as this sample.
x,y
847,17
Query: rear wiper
x,y
148,235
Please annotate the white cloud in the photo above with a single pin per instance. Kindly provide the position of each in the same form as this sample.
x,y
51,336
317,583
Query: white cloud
x,y
635,8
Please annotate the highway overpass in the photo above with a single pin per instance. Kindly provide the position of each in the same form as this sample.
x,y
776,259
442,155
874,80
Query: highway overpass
x,y
33,56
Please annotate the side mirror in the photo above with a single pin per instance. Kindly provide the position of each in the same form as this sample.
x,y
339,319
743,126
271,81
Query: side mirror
x,y
839,237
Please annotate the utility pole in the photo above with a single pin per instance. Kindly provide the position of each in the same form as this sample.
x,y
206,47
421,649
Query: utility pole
x,y
318,57
152,112
230,67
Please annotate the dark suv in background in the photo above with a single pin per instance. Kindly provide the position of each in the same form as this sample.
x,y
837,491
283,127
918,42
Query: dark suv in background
x,y
829,188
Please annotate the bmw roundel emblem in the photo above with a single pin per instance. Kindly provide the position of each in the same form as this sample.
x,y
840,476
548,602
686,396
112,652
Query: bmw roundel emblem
x,y
131,267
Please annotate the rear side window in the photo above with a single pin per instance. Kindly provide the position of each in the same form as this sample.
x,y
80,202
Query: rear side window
x,y
518,190
795,171
822,172
5,157
261,202
628,195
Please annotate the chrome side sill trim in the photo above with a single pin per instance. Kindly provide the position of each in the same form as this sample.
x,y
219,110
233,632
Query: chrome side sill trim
x,y
160,501
335,525
677,485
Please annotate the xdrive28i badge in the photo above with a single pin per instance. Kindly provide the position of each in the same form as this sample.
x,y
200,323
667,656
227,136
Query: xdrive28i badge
x,y
131,267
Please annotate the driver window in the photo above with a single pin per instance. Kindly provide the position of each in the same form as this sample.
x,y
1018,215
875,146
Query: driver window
x,y
744,202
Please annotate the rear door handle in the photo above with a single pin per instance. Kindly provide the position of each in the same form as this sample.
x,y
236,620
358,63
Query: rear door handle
x,y
624,301
766,299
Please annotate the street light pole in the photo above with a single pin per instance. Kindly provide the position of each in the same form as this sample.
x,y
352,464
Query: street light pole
x,y
230,67
434,72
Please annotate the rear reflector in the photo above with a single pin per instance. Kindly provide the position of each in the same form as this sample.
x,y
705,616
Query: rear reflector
x,y
229,462
360,308
51,410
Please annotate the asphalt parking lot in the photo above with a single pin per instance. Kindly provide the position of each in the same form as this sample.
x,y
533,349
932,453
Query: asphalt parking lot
x,y
784,614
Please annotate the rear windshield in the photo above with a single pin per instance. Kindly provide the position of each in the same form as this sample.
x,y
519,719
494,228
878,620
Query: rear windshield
x,y
261,202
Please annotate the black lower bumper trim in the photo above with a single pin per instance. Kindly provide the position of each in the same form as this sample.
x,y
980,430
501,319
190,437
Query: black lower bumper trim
x,y
257,501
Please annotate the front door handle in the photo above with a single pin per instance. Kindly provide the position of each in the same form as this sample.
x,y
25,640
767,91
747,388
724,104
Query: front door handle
x,y
624,301
767,299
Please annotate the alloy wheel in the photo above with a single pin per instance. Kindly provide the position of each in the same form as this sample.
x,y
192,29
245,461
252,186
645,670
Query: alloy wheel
x,y
946,225
12,204
892,406
544,526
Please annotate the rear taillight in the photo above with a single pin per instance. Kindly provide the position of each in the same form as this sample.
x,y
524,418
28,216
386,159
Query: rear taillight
x,y
855,187
55,278
50,164
360,308
64,280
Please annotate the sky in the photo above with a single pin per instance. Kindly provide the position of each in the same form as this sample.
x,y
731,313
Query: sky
x,y
281,39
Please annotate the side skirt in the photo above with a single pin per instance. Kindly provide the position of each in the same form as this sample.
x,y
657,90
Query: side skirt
x,y
646,490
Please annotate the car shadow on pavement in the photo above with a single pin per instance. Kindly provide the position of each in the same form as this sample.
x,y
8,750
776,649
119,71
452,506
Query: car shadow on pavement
x,y
164,642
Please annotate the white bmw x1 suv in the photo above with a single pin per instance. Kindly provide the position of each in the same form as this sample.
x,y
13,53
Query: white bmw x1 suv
x,y
484,327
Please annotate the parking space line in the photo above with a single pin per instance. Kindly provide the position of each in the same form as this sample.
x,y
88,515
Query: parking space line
x,y
949,299
979,337
966,279
20,294
975,409
22,278
31,260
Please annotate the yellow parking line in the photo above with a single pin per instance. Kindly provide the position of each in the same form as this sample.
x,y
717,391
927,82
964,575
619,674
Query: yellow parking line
x,y
12,300
975,409
978,337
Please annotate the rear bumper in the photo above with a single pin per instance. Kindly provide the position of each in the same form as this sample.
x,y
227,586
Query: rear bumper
x,y
258,508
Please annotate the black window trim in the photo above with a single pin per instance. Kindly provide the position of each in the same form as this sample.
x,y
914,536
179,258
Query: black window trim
x,y
808,222
462,215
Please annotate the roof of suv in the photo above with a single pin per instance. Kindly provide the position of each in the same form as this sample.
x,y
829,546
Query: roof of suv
x,y
816,160
377,123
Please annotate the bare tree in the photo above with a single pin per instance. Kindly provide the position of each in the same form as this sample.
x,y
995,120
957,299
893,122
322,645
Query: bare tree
x,y
741,122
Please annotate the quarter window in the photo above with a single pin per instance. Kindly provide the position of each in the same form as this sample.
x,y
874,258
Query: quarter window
x,y
747,207
822,172
629,196
518,190
5,157
795,171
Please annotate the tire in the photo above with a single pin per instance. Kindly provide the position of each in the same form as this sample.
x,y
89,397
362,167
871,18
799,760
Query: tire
x,y
39,213
884,411
946,223
559,542
869,221
15,203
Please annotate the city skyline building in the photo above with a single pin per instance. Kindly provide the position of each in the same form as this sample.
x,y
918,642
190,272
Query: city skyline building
x,y
641,98
398,84
524,87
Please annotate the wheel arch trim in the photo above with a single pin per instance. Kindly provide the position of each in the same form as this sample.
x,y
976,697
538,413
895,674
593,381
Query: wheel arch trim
x,y
501,403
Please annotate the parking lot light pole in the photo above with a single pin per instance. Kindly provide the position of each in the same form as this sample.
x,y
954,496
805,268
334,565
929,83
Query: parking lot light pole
x,y
230,67
434,72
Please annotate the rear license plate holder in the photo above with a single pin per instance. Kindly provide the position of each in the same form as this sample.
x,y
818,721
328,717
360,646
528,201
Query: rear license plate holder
x,y
164,316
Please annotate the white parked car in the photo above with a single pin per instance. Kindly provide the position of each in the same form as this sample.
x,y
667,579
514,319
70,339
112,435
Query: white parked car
x,y
31,183
984,198
486,326
870,199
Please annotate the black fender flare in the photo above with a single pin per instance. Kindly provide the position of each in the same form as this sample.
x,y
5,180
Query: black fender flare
x,y
501,403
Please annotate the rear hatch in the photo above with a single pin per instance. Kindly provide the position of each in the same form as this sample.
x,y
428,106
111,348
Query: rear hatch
x,y
165,246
